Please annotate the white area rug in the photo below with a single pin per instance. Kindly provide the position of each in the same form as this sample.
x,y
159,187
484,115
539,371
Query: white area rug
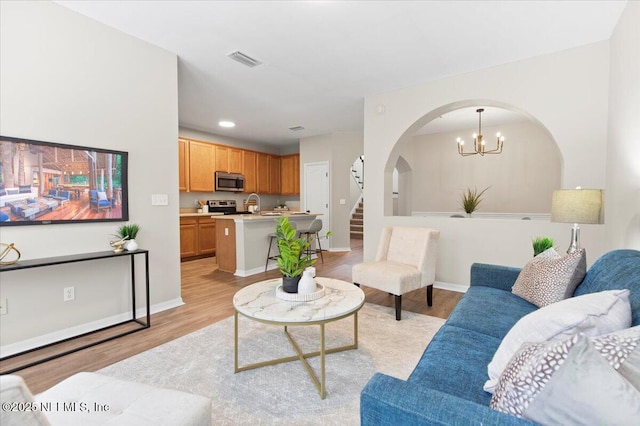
x,y
202,363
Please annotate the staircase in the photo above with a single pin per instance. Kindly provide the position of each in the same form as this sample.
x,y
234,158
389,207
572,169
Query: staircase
x,y
357,222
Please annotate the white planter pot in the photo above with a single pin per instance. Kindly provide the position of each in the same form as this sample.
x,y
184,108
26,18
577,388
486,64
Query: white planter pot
x,y
132,245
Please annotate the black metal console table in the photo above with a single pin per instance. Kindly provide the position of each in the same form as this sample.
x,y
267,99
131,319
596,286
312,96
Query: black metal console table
x,y
61,260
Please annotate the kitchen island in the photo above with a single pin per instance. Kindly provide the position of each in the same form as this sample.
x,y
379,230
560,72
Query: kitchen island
x,y
242,241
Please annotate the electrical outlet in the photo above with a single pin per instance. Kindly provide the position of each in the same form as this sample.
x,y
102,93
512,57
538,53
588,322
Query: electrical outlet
x,y
3,306
69,294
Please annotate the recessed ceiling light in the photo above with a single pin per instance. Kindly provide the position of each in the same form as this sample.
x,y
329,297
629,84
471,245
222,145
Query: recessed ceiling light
x,y
226,124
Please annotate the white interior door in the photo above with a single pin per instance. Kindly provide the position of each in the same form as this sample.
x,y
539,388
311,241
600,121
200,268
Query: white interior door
x,y
316,192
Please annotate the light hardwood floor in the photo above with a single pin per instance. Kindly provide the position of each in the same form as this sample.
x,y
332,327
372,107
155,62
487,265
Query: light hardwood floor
x,y
207,294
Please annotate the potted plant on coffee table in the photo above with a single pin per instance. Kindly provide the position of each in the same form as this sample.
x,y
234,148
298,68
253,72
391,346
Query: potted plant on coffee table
x,y
291,260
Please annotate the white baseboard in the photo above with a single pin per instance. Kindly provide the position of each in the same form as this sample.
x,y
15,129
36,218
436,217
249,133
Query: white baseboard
x,y
253,271
56,336
337,249
452,287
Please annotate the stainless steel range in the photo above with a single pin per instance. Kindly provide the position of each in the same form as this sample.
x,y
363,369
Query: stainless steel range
x,y
225,207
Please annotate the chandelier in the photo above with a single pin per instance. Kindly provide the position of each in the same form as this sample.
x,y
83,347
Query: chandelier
x,y
478,141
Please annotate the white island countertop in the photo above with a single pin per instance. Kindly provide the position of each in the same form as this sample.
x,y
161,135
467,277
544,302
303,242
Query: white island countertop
x,y
266,216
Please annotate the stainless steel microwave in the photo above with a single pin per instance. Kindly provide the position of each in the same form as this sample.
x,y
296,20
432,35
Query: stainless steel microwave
x,y
229,182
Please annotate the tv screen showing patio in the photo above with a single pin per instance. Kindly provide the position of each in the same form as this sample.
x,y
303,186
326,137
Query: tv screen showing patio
x,y
45,182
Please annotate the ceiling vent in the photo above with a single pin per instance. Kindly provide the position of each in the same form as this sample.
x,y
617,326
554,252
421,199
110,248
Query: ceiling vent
x,y
244,59
296,128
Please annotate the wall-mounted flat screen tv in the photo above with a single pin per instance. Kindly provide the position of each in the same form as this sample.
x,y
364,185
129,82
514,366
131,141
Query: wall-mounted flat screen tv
x,y
45,183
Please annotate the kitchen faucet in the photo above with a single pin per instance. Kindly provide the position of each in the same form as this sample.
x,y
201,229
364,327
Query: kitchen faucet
x,y
257,210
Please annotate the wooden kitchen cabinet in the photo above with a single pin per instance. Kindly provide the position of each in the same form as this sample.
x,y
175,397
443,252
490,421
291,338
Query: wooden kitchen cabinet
x,y
249,170
188,237
228,159
183,165
290,174
206,236
197,237
274,174
235,160
263,173
226,241
202,163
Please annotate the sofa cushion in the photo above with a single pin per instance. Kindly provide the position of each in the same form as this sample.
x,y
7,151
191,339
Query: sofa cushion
x,y
615,270
128,403
591,314
482,309
392,277
455,363
550,278
13,390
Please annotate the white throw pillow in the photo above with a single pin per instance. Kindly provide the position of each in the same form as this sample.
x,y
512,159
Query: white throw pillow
x,y
102,196
592,314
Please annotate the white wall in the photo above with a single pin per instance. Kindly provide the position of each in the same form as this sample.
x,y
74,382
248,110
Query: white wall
x,y
520,180
66,78
567,92
340,150
622,210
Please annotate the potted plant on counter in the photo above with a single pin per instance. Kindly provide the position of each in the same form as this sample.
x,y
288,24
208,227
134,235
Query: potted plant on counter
x,y
471,199
128,233
291,260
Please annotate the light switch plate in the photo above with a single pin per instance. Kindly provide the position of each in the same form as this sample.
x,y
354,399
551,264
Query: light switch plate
x,y
343,201
159,200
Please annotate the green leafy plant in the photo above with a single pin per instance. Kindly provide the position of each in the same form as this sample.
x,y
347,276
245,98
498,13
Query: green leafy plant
x,y
291,261
471,199
128,231
541,244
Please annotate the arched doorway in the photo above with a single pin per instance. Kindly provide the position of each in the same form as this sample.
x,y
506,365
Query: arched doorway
x,y
521,178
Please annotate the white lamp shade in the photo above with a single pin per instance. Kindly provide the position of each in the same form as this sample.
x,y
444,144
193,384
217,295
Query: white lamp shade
x,y
577,206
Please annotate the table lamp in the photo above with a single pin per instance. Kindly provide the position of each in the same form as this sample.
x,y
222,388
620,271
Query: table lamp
x,y
577,206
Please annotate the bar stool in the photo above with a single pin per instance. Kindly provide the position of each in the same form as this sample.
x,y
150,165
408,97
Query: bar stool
x,y
273,236
314,228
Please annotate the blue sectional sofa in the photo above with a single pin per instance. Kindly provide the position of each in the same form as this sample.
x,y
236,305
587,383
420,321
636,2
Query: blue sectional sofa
x,y
445,388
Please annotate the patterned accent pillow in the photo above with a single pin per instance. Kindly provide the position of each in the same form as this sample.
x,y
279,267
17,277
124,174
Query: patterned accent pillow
x,y
550,278
535,365
593,314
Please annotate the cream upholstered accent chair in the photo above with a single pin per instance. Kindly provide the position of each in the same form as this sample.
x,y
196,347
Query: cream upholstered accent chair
x,y
406,261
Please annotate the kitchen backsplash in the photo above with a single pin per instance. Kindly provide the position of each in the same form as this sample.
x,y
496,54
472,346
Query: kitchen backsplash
x,y
189,200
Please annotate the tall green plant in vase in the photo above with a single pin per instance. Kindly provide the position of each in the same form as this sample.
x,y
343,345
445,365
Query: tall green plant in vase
x,y
471,199
292,259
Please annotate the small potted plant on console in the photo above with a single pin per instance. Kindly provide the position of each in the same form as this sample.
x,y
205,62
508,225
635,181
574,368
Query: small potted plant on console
x,y
128,233
291,260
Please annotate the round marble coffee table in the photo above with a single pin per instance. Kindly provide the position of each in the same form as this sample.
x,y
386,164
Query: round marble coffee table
x,y
260,303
